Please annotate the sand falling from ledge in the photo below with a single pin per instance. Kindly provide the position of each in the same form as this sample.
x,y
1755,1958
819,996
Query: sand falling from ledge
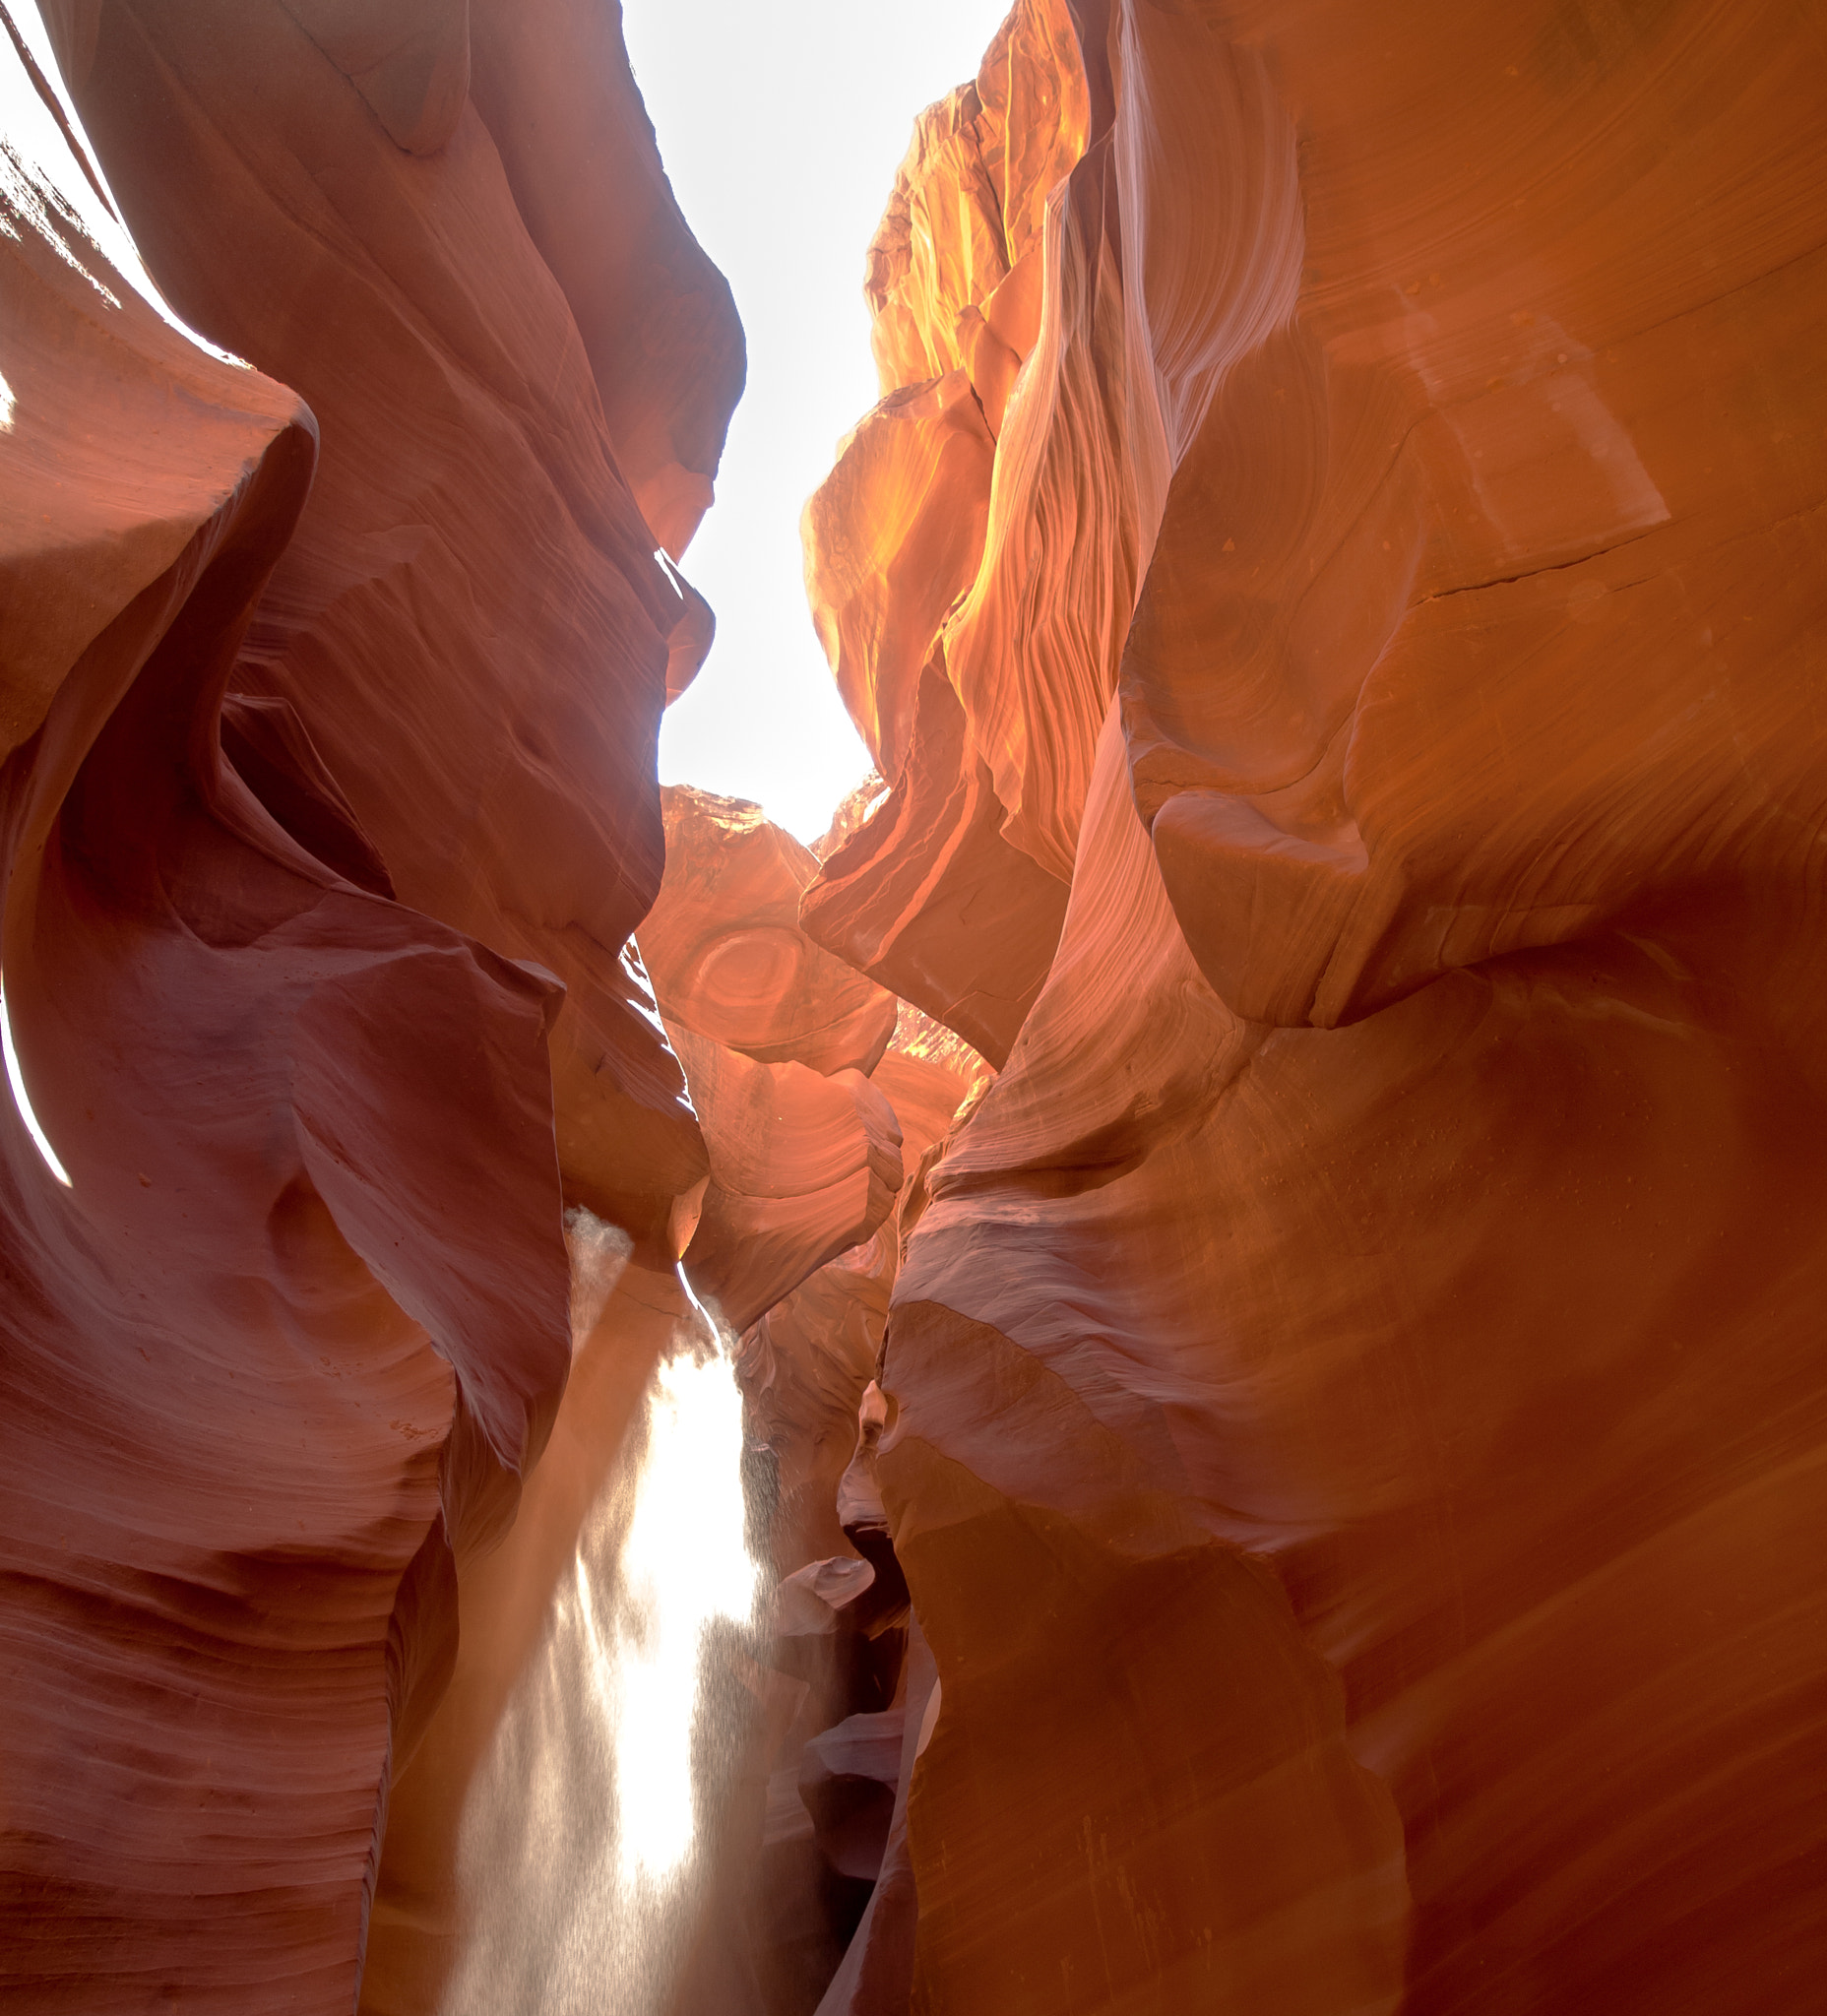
x,y
582,1855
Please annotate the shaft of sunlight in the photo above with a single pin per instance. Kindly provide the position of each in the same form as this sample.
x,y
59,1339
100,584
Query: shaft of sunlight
x,y
583,1855
684,1565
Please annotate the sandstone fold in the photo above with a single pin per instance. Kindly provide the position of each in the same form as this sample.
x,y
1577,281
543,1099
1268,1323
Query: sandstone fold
x,y
1351,1400
329,710
482,352
657,320
804,1166
941,550
284,1326
1418,517
723,946
927,897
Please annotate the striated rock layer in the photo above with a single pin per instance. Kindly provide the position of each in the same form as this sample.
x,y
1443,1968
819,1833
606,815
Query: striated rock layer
x,y
1297,1483
329,805
1353,1403
284,1324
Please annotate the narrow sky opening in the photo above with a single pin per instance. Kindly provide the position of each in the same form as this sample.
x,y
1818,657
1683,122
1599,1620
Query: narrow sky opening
x,y
781,129
37,147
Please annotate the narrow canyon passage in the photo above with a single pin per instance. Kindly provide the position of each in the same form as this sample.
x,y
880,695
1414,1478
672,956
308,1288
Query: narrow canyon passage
x,y
1168,1358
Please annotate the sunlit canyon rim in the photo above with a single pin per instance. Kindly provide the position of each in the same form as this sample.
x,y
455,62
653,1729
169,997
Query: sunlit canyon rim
x,y
1182,1372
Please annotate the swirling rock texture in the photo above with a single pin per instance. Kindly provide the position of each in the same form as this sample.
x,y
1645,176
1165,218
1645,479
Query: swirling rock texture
x,y
939,492
1303,1492
329,703
778,1040
467,321
1353,1418
236,1469
823,1099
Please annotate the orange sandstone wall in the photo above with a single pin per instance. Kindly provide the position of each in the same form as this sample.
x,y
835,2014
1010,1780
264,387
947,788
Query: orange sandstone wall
x,y
1303,1491
1355,1407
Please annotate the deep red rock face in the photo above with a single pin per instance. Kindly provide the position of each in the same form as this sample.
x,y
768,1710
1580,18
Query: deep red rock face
x,y
507,360
1354,1394
329,742
236,1467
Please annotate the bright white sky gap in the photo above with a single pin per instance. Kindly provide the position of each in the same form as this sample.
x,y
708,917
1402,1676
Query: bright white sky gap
x,y
781,128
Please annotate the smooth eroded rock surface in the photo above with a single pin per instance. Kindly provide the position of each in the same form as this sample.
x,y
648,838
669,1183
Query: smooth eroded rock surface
x,y
328,712
284,1324
1264,1180
1355,1403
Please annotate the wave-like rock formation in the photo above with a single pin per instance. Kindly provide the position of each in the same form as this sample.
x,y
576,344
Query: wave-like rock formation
x,y
1264,1183
237,1473
1355,1412
467,329
331,690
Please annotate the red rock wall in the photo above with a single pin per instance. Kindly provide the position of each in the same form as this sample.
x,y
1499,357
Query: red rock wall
x,y
1354,1401
1304,1493
285,1339
281,966
492,721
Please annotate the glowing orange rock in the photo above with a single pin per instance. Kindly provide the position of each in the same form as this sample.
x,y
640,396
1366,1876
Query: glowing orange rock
x,y
893,537
802,1167
727,959
931,899
1366,1336
776,1039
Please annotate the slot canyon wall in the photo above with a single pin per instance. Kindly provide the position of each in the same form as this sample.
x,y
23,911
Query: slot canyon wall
x,y
1346,511
332,692
1264,1182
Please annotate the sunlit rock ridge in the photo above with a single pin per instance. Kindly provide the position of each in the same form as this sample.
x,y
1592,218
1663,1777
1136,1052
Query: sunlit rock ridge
x,y
1181,1371
1350,485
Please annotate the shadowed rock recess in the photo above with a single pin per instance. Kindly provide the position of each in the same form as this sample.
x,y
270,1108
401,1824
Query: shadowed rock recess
x,y
1263,1187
